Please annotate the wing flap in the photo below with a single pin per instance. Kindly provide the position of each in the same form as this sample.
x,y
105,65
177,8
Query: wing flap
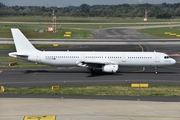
x,y
99,62
95,63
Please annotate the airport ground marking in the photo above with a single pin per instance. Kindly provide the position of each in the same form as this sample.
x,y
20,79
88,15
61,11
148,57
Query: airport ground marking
x,y
34,74
40,117
143,69
172,68
141,47
123,115
148,116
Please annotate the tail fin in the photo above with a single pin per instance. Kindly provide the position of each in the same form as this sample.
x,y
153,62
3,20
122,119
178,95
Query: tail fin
x,y
21,42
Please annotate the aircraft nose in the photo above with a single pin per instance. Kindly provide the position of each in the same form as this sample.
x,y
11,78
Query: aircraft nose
x,y
173,61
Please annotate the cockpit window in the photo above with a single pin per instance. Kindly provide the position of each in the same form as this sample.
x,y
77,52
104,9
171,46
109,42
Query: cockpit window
x,y
166,57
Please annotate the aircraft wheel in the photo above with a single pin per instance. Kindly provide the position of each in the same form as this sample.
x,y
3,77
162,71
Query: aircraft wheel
x,y
156,71
93,72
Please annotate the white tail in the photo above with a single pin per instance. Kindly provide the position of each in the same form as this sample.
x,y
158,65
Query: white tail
x,y
21,42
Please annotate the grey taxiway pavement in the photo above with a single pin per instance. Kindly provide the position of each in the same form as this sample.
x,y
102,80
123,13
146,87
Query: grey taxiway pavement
x,y
89,109
78,76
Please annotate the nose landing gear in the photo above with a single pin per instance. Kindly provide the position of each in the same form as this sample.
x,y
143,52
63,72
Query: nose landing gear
x,y
156,71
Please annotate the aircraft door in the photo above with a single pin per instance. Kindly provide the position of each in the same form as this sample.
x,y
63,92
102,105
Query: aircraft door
x,y
83,57
38,57
156,57
123,58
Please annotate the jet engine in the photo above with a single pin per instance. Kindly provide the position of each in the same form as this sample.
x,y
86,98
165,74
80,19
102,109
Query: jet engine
x,y
110,68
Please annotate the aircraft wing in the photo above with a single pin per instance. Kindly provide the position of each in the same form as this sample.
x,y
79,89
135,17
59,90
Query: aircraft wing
x,y
95,63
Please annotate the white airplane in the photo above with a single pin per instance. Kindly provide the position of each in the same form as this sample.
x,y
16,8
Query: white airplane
x,y
94,61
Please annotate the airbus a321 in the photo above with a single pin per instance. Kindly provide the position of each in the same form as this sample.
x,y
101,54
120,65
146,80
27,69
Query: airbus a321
x,y
109,62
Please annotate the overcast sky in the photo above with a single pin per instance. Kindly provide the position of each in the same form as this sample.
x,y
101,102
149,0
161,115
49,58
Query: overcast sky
x,y
63,3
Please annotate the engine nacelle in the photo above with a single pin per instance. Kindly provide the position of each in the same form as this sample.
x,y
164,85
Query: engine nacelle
x,y
110,68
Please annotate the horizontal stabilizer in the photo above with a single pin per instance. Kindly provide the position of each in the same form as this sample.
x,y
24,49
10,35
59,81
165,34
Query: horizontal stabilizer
x,y
16,54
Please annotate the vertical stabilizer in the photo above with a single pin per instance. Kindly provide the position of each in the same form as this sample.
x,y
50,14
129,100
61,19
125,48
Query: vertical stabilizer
x,y
21,42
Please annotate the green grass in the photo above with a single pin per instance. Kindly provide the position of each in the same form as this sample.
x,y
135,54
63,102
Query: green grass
x,y
10,59
79,31
106,90
159,32
7,47
98,26
38,46
32,31
81,19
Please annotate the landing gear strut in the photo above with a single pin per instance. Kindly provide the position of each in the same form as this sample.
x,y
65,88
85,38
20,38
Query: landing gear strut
x,y
156,71
93,71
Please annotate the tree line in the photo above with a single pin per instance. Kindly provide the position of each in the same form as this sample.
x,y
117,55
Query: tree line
x,y
163,10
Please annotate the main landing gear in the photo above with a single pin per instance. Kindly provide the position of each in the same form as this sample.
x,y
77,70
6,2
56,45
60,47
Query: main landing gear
x,y
93,72
156,71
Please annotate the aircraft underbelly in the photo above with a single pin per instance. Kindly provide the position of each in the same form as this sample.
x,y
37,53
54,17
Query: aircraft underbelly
x,y
55,62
